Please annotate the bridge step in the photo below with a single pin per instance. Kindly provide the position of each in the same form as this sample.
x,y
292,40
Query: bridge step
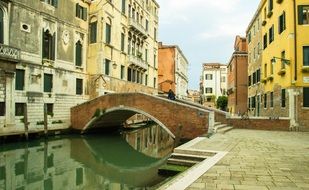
x,y
188,157
194,152
181,162
224,129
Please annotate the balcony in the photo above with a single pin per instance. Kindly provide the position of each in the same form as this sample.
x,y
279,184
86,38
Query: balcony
x,y
9,53
139,62
138,28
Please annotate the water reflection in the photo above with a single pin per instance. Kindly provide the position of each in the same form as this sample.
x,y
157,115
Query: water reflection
x,y
90,162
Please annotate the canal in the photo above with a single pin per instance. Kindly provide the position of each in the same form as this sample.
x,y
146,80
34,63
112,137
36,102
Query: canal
x,y
125,159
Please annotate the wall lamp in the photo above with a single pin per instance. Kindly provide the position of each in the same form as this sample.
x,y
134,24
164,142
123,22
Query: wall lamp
x,y
285,61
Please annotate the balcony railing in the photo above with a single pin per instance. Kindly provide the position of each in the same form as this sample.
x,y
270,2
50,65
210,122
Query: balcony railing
x,y
9,53
138,28
138,62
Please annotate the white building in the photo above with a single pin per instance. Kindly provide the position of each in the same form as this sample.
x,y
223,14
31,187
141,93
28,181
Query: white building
x,y
214,81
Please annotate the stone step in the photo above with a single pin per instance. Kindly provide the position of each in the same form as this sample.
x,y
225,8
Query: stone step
x,y
224,129
195,152
181,162
188,157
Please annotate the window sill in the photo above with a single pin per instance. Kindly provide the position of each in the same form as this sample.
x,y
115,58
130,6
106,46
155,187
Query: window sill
x,y
305,108
79,68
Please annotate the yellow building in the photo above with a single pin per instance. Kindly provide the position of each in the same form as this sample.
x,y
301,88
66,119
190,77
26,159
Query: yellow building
x,y
123,46
284,68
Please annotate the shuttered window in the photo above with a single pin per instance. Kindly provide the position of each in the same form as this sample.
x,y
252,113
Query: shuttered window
x,y
20,79
19,109
107,33
283,98
271,34
48,48
265,41
303,14
272,99
123,7
81,12
93,32
306,55
306,97
282,24
1,27
122,42
78,53
2,108
79,86
122,72
107,66
48,82
265,100
51,2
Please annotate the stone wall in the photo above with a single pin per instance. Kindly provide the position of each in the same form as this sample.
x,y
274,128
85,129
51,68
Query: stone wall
x,y
260,124
302,112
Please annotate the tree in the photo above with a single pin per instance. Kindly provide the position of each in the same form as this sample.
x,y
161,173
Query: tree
x,y
222,102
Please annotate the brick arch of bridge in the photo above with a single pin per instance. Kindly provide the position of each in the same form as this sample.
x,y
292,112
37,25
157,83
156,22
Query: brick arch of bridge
x,y
171,114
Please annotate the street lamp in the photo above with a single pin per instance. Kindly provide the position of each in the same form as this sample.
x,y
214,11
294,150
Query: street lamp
x,y
285,61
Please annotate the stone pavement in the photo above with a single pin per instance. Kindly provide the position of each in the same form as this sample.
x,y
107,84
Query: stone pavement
x,y
257,160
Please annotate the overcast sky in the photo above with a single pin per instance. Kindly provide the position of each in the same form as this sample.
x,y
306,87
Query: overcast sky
x,y
204,30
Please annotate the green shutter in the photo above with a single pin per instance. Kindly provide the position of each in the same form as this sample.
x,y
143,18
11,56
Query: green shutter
x,y
1,26
77,10
306,97
48,82
55,3
84,14
300,14
78,54
53,46
122,41
306,55
108,34
20,79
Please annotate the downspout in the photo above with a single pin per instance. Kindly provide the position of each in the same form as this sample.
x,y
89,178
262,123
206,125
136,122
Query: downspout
x,y
236,57
295,42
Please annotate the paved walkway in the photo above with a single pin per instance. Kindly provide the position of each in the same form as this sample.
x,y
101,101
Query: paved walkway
x,y
257,160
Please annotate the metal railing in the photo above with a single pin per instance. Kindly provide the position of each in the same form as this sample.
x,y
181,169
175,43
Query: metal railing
x,y
137,27
9,52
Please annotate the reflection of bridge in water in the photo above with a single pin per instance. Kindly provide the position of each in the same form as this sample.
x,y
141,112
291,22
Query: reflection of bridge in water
x,y
94,162
112,110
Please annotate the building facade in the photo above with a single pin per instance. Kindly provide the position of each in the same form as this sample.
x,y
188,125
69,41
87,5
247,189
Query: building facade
x,y
237,75
123,48
173,70
284,73
214,82
43,62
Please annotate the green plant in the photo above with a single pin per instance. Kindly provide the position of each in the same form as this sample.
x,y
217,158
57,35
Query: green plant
x,y
40,123
222,102
57,121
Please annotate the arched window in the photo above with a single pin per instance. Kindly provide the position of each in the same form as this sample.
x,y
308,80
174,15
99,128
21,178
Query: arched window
x,y
1,26
48,45
108,31
78,54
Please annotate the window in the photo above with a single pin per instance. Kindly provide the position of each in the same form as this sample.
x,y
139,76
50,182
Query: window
x,y
208,77
270,5
107,66
122,41
208,90
107,33
265,41
123,7
249,37
258,49
48,82
48,45
282,25
20,79
147,25
254,78
146,55
154,60
223,79
133,75
249,80
271,34
79,86
303,14
155,34
1,26
49,109
306,97
283,98
19,109
249,102
282,62
78,53
93,32
122,69
2,108
253,102
306,55
146,79
129,74
79,179
265,100
51,2
265,70
258,75
272,99
81,12
271,67
154,82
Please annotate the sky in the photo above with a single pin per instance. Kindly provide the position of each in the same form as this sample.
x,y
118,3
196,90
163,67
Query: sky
x,y
205,30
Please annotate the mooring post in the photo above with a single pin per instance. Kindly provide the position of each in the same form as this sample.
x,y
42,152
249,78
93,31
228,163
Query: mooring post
x,y
26,121
45,120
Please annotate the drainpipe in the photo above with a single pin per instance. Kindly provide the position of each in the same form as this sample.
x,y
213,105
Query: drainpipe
x,y
295,41
294,94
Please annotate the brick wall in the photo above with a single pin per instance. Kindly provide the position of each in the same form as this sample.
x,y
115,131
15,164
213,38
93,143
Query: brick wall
x,y
194,121
303,113
261,124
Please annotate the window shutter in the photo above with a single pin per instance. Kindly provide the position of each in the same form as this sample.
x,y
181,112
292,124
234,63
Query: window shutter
x,y
20,79
306,97
284,26
78,54
53,46
55,3
1,26
77,9
300,14
43,45
85,14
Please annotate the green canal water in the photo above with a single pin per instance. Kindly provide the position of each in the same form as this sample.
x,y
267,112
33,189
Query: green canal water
x,y
120,160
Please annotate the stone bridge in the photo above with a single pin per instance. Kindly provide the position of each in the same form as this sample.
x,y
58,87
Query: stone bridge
x,y
112,110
